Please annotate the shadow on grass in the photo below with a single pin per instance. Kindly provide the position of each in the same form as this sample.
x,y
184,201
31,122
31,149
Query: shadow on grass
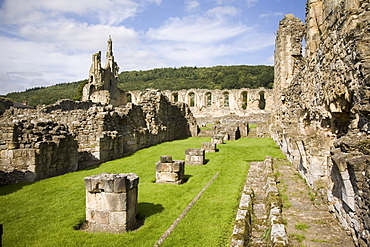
x,y
145,210
8,189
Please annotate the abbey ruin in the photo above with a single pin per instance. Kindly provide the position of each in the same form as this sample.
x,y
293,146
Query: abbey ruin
x,y
317,112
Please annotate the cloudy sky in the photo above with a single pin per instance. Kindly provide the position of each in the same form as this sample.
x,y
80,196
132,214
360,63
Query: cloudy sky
x,y
45,42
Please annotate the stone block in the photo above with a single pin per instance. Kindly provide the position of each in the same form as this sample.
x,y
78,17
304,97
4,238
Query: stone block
x,y
166,159
170,172
217,139
111,202
209,147
194,156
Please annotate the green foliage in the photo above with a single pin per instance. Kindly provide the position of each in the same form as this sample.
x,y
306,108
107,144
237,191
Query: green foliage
x,y
46,212
48,95
78,96
298,237
219,77
301,226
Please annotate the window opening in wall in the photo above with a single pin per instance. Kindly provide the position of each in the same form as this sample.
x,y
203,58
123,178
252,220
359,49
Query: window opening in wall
x,y
208,99
226,99
192,99
129,98
244,100
175,97
91,78
262,101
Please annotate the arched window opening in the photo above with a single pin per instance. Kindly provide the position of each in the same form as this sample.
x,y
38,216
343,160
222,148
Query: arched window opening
x,y
175,97
262,101
91,78
226,99
208,99
129,98
191,99
244,100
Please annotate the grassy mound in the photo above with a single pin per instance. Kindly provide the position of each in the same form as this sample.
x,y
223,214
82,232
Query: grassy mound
x,y
46,212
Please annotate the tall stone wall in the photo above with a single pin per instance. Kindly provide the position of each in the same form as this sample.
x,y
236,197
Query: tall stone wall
x,y
52,140
321,118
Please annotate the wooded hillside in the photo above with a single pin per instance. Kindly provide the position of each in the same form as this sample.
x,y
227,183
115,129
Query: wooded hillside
x,y
219,77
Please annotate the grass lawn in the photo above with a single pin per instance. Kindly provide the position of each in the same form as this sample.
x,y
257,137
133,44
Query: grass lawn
x,y
44,213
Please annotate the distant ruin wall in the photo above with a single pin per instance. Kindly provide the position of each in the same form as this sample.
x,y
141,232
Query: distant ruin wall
x,y
225,106
322,104
52,140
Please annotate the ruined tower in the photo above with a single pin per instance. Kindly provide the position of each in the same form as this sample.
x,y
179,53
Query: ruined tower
x,y
102,84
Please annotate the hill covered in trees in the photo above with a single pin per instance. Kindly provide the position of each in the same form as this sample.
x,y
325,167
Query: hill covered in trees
x,y
219,77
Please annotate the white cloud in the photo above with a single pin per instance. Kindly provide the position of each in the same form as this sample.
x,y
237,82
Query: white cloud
x,y
106,12
223,11
191,5
251,3
196,29
272,14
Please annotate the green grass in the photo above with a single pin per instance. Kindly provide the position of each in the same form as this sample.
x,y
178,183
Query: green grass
x,y
301,226
45,213
298,237
252,126
207,127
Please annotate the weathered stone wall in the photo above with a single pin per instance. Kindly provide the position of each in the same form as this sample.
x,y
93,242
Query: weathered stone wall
x,y
225,106
51,140
321,118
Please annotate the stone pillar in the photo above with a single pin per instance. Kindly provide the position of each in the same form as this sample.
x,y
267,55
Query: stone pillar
x,y
111,202
217,139
170,171
194,156
209,147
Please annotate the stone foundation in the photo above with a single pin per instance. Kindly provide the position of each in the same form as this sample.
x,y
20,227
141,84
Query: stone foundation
x,y
217,139
111,202
194,156
209,147
170,171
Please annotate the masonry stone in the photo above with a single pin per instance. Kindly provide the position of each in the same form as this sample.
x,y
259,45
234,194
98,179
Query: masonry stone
x,y
170,171
217,139
194,156
321,98
111,202
209,147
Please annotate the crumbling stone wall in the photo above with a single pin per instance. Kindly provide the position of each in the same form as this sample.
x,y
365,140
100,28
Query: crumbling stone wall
x,y
52,140
321,118
34,150
210,106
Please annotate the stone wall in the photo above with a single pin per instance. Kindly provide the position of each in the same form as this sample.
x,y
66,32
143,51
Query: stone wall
x,y
52,140
321,118
225,106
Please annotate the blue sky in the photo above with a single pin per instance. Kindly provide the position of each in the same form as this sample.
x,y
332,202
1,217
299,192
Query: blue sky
x,y
44,42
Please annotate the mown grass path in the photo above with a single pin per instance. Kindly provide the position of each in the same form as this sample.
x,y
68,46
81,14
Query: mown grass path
x,y
44,213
